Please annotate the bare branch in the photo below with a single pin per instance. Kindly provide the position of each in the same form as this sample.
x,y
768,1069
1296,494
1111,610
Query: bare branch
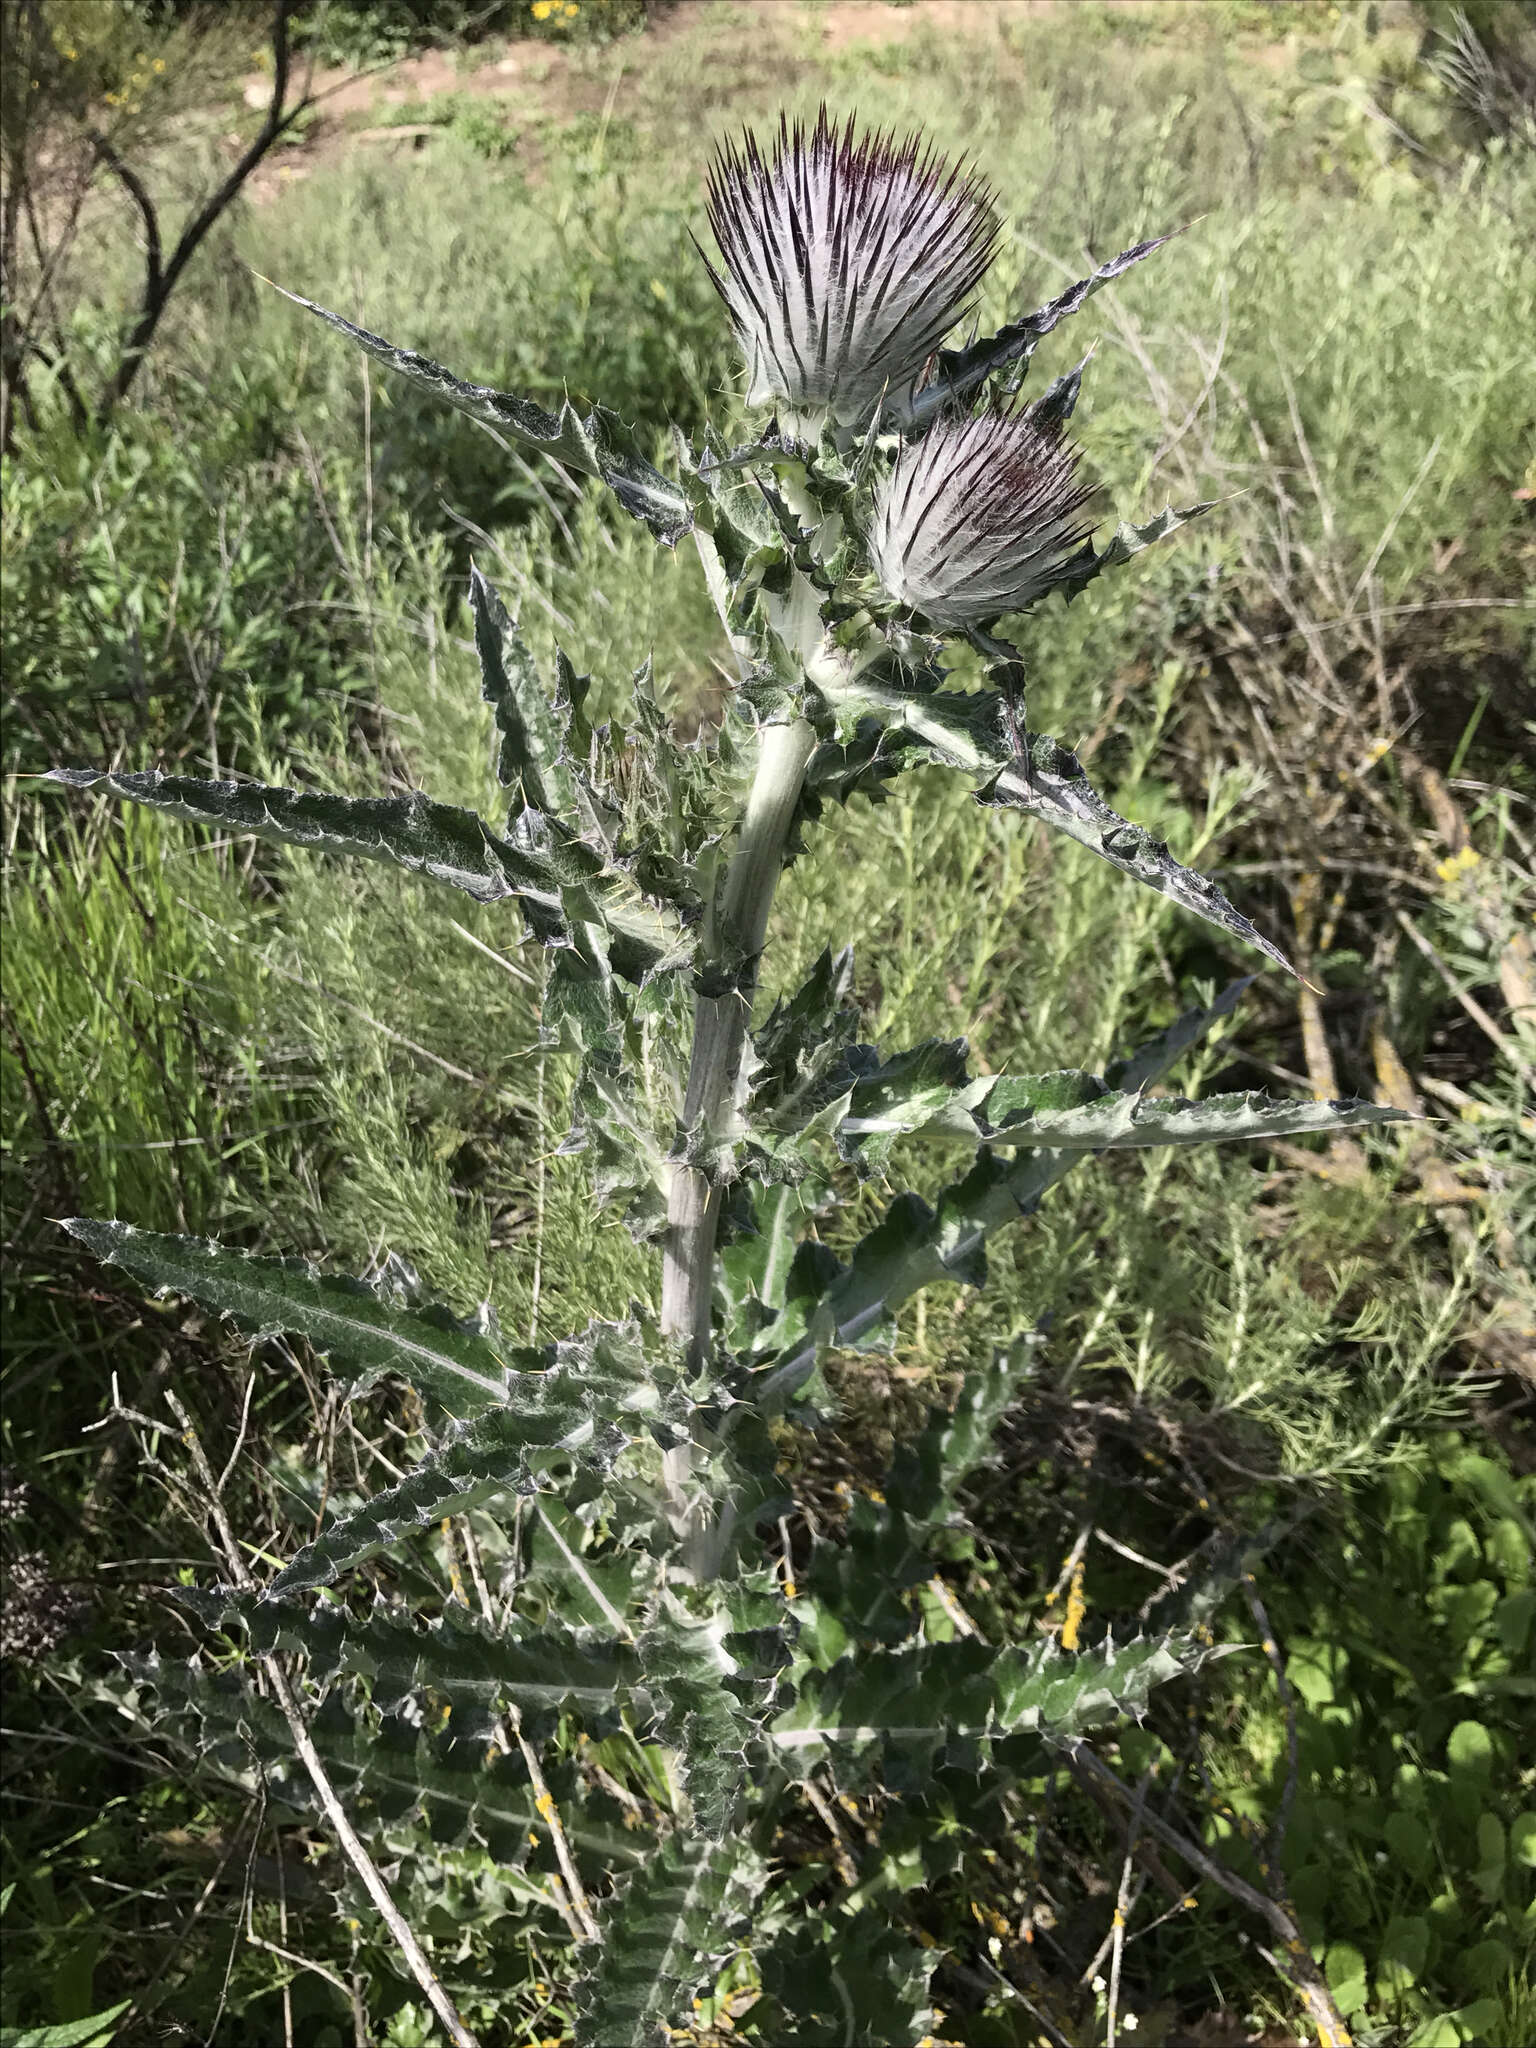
x,y
160,281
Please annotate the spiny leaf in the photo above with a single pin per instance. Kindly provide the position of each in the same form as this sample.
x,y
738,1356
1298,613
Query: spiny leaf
x,y
568,1572
598,445
752,1272
800,1043
438,840
830,1303
664,1933
916,1703
851,1979
865,1578
929,1090
462,1366
479,1673
959,373
1050,783
967,730
533,738
687,1664
603,1393
1158,1056
560,885
1128,539
861,764
388,1768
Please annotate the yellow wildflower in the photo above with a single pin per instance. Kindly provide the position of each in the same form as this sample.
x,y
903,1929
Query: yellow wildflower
x,y
542,9
1451,871
1077,1607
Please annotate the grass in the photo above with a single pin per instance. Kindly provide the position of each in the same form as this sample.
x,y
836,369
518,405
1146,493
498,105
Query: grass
x,y
263,569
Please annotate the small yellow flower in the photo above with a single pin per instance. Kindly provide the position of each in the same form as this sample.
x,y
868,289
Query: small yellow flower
x,y
158,65
1452,870
789,1589
542,9
1077,1607
70,56
544,1805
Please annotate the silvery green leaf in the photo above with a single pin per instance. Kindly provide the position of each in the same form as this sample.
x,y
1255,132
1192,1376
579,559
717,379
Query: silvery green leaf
x,y
563,883
830,1303
457,1365
532,757
800,1043
886,1544
665,1932
1128,539
1049,783
930,1089
689,1665
969,731
872,755
388,1768
1116,1122
598,445
437,840
753,1269
570,1570
913,1704
1158,1056
479,1671
960,373
605,1391
851,1978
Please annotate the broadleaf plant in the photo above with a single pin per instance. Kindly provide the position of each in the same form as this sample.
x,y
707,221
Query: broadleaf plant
x,y
624,1479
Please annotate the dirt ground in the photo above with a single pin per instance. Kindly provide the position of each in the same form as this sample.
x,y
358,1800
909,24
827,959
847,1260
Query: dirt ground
x,y
559,84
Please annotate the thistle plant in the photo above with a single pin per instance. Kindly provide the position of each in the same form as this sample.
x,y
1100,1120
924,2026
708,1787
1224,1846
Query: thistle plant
x,y
618,1491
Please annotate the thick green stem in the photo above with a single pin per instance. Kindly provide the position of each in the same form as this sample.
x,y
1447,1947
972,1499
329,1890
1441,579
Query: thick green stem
x,y
720,1026
720,1029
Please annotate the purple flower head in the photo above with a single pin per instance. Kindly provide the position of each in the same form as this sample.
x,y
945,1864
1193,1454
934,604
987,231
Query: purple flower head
x,y
978,517
847,259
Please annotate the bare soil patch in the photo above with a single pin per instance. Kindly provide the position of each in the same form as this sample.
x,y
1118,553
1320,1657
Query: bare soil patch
x,y
548,80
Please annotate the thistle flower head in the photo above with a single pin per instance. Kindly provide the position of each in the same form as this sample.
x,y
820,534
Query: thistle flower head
x,y
847,259
978,517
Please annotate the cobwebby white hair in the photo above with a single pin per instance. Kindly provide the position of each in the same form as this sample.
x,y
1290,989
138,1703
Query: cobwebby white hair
x,y
978,518
847,259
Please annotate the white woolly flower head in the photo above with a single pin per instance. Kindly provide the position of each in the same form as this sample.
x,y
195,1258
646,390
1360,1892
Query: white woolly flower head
x,y
978,517
847,259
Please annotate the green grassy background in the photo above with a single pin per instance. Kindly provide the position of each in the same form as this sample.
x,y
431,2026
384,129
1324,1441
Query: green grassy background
x,y
260,569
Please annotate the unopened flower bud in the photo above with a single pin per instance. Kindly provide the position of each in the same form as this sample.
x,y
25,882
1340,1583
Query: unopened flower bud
x,y
978,518
846,261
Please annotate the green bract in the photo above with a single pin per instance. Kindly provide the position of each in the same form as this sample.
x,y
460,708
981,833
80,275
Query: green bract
x,y
629,1469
